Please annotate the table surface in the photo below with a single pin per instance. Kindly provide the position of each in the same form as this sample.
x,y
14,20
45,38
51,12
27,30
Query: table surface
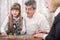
x,y
22,38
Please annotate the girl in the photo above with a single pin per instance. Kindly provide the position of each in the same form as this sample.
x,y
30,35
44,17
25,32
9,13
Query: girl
x,y
15,21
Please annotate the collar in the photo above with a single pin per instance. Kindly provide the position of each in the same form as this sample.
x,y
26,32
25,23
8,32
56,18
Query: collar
x,y
16,18
34,14
56,12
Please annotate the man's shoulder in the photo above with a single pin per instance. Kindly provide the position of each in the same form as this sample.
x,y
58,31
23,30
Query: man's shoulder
x,y
41,15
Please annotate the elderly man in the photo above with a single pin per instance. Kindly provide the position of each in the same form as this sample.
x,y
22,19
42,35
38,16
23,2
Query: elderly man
x,y
35,22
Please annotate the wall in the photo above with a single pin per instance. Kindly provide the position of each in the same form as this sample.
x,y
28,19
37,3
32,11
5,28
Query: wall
x,y
5,8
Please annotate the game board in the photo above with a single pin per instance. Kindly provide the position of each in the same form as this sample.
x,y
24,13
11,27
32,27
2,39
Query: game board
x,y
18,37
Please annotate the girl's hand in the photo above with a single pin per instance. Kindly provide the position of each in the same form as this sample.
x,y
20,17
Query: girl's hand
x,y
22,33
4,34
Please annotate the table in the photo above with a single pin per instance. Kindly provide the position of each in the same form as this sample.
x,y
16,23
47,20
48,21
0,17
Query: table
x,y
20,39
23,38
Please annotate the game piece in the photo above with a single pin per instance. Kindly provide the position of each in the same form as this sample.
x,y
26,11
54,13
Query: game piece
x,y
14,39
19,36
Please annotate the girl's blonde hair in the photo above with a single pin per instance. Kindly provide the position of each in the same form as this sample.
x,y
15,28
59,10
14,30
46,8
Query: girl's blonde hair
x,y
54,3
16,6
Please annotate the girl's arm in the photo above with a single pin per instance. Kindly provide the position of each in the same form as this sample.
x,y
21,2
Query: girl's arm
x,y
3,26
23,27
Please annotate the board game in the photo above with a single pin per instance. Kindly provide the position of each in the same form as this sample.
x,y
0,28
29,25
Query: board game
x,y
19,37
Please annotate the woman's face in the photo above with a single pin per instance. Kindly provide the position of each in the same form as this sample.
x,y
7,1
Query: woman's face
x,y
15,13
49,6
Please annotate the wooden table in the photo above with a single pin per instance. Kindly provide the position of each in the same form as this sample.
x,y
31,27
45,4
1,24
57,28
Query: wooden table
x,y
21,39
26,38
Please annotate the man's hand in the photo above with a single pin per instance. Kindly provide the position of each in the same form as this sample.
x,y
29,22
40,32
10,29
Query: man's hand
x,y
38,35
39,31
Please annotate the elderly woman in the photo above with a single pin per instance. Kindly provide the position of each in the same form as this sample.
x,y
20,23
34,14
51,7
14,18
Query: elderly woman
x,y
54,7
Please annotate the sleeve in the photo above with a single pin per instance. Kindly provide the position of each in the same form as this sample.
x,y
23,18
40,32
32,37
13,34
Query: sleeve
x,y
23,27
51,35
54,33
58,30
3,26
44,36
44,25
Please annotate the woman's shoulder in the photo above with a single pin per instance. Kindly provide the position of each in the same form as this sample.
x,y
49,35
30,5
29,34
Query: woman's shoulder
x,y
58,10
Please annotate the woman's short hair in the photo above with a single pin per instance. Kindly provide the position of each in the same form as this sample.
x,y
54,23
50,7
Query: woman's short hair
x,y
54,3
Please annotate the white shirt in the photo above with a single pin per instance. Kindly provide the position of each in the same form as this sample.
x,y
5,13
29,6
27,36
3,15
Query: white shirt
x,y
4,26
56,12
38,21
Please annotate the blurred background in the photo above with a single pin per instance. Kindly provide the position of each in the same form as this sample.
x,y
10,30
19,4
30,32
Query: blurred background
x,y
6,4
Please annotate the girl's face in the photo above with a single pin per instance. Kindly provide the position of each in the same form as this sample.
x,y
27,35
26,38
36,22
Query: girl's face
x,y
15,13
